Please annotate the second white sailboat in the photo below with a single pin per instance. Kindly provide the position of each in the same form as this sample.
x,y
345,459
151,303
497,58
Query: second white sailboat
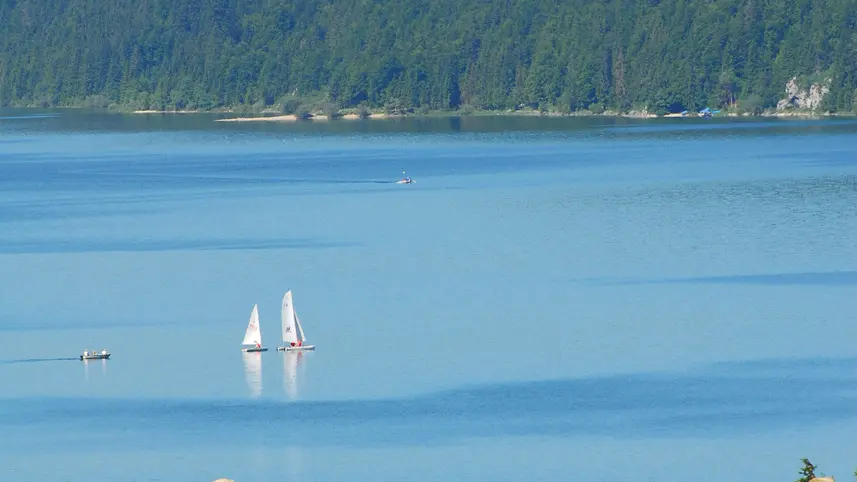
x,y
294,338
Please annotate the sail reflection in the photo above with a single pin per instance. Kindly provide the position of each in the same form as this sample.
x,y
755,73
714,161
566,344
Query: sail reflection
x,y
291,362
253,372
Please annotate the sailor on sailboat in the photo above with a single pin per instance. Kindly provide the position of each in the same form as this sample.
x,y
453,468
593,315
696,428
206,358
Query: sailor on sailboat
x,y
293,332
253,334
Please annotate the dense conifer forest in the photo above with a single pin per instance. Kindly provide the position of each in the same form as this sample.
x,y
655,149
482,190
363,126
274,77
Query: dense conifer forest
x,y
554,55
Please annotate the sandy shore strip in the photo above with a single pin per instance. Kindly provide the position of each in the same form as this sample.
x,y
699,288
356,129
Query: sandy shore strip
x,y
353,116
149,111
276,118
291,118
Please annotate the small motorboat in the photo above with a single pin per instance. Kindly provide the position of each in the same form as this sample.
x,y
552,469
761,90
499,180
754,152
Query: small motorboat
x,y
95,355
405,180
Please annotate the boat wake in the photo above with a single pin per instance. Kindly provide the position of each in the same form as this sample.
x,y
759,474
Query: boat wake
x,y
33,360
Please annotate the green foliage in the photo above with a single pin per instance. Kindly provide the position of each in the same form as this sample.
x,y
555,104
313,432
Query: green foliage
x,y
290,106
752,104
406,55
807,473
466,109
97,101
330,109
362,112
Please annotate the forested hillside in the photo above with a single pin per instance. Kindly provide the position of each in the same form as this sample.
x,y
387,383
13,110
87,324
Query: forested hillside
x,y
427,54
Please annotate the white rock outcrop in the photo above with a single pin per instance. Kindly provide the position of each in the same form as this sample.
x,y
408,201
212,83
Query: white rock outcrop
x,y
808,99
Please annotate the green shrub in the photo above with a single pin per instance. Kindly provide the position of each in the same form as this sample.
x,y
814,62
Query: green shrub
x,y
807,472
291,106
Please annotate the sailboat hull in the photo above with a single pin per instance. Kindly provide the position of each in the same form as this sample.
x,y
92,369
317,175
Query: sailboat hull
x,y
250,350
296,348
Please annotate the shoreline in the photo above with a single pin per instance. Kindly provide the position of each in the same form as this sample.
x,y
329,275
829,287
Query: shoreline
x,y
270,116
294,118
262,117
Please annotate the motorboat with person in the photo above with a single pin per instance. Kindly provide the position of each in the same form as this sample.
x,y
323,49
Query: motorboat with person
x,y
405,179
95,355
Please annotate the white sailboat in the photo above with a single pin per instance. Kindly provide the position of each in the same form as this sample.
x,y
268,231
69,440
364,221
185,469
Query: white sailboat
x,y
253,334
293,333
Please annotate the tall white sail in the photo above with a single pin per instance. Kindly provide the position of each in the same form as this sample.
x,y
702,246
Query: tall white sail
x,y
289,320
253,335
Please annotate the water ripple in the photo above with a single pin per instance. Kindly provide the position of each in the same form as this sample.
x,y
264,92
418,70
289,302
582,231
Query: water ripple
x,y
140,245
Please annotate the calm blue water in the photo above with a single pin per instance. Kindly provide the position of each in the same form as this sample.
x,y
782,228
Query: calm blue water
x,y
553,299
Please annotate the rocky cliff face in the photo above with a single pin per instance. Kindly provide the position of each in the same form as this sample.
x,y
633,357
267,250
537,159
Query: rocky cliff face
x,y
809,99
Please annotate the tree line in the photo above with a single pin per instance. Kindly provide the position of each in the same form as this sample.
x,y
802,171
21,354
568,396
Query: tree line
x,y
566,56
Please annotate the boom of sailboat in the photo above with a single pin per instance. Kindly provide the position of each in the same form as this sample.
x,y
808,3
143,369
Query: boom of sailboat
x,y
294,338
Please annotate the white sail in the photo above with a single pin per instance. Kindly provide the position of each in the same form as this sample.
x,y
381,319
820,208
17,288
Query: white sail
x,y
289,320
253,335
253,372
300,327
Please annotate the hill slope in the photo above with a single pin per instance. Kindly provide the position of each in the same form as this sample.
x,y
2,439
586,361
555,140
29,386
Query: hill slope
x,y
439,54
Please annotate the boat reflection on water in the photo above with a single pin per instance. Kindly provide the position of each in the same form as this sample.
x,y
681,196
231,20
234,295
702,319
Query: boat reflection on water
x,y
291,362
253,372
86,368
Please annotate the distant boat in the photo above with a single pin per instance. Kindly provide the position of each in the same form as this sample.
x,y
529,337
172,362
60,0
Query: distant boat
x,y
405,179
95,355
293,333
253,334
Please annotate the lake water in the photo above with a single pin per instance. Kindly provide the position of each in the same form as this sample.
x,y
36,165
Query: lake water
x,y
553,299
